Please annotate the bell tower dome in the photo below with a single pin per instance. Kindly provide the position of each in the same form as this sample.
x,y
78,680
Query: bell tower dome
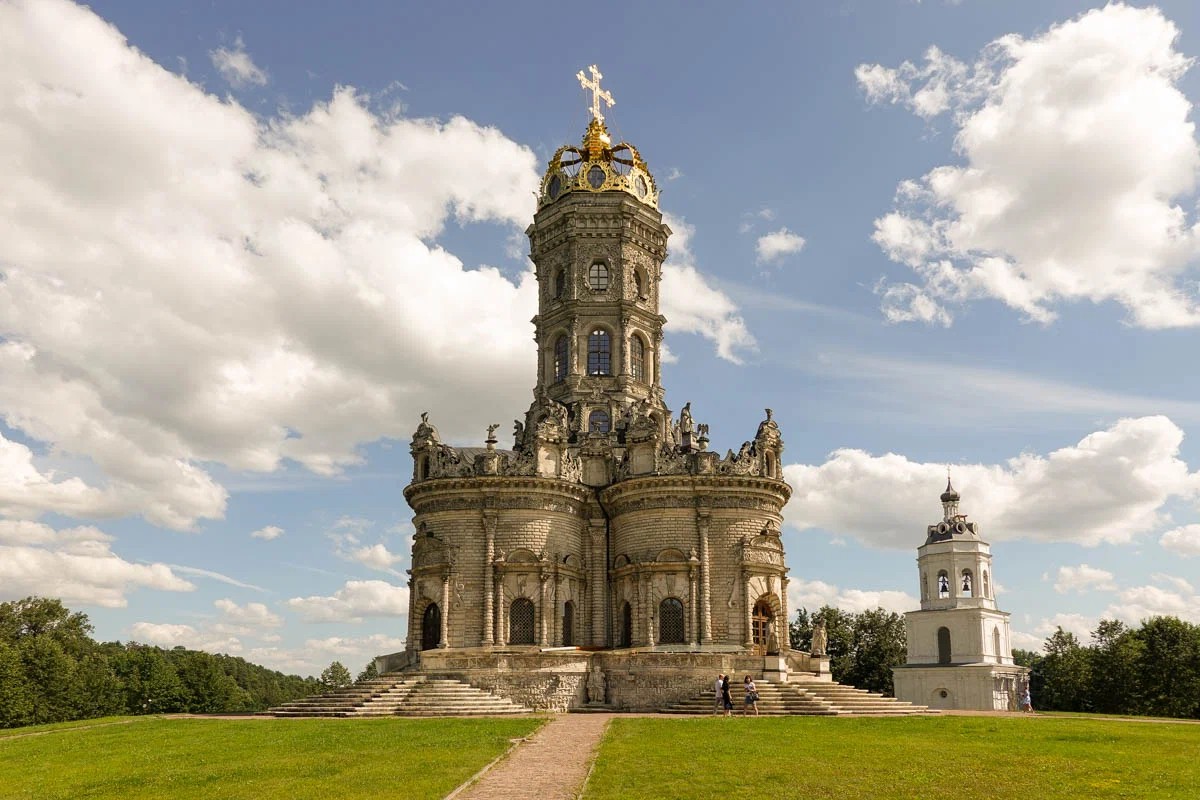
x,y
598,243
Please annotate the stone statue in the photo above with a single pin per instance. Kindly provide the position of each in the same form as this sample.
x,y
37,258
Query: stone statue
x,y
685,418
702,430
819,638
518,433
492,432
595,686
424,417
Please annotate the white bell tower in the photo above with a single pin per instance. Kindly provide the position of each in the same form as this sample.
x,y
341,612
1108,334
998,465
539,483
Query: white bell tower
x,y
959,643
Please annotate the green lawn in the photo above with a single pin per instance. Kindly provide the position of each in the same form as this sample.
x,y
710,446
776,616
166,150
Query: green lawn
x,y
260,759
947,758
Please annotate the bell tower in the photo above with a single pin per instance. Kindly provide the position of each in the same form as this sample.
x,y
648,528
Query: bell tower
x,y
598,243
959,643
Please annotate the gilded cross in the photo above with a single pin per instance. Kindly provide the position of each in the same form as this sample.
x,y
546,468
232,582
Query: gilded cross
x,y
598,94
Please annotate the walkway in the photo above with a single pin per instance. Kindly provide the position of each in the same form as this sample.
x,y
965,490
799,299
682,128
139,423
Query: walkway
x,y
550,765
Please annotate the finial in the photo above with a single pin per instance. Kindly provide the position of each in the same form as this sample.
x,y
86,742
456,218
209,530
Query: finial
x,y
598,94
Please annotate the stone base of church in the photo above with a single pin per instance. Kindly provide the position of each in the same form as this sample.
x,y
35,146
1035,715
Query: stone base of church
x,y
562,679
977,687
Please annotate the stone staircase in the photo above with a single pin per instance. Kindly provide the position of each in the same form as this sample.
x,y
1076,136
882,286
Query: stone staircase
x,y
401,696
801,697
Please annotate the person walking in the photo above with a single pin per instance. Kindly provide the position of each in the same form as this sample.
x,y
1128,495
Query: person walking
x,y
1026,701
726,701
751,699
718,704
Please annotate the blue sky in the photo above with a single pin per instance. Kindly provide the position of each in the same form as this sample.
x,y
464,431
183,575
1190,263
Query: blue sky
x,y
244,245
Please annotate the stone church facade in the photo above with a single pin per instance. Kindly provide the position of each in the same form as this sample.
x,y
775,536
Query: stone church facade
x,y
608,545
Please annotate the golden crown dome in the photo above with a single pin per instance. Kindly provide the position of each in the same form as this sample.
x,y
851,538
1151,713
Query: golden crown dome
x,y
597,165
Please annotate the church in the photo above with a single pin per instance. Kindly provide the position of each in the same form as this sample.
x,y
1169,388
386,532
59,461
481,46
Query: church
x,y
607,556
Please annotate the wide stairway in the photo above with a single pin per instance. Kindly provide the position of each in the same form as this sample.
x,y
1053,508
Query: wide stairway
x,y
401,696
802,697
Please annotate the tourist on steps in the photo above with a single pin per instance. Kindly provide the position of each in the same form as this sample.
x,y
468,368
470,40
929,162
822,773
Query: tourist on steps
x,y
751,700
726,700
718,703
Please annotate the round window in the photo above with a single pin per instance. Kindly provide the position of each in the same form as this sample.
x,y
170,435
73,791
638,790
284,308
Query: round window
x,y
596,176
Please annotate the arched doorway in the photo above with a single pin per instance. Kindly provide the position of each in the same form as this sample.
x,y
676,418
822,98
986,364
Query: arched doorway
x,y
626,638
431,627
762,621
670,621
568,629
520,621
943,645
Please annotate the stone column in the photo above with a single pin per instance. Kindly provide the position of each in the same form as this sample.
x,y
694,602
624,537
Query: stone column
x,y
544,603
658,337
489,611
501,610
410,642
599,581
702,523
573,355
625,319
444,640
749,608
693,629
541,353
785,638
557,637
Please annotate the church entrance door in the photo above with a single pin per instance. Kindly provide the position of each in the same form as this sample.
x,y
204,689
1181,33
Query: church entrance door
x,y
761,622
431,627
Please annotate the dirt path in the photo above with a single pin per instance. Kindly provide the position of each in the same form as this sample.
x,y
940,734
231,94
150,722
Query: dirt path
x,y
549,765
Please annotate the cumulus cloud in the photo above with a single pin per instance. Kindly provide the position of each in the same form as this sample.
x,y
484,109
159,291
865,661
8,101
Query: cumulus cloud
x,y
170,635
1169,596
76,565
347,536
691,305
315,655
267,533
187,284
814,594
247,618
1077,157
777,244
1079,624
1082,579
353,602
236,66
1109,487
1183,541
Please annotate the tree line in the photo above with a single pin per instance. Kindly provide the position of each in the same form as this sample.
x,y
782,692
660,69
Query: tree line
x,y
1153,669
51,670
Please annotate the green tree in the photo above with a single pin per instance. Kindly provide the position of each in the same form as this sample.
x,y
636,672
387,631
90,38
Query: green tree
x,y
369,672
335,676
1169,667
149,682
46,617
16,700
878,643
50,673
1115,653
1065,674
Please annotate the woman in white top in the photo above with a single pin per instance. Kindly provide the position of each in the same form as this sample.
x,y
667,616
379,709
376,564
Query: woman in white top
x,y
751,697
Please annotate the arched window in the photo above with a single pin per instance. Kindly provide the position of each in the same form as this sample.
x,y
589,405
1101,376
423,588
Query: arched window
x,y
431,627
670,621
422,467
568,629
762,620
562,350
987,585
968,585
560,284
943,584
996,642
769,462
598,422
598,277
637,358
638,285
520,621
943,635
599,353
626,638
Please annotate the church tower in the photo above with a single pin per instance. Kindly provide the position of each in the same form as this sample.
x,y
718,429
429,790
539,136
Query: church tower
x,y
959,650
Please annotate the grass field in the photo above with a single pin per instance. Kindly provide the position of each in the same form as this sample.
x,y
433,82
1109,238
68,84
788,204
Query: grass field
x,y
260,759
955,758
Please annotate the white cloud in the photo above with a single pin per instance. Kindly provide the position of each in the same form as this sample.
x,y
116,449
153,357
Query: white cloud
x,y
1077,154
251,615
267,533
1171,596
197,572
814,594
1082,579
1079,624
691,305
1109,487
1027,641
187,284
76,565
353,602
236,66
777,244
315,655
1183,541
347,534
170,635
